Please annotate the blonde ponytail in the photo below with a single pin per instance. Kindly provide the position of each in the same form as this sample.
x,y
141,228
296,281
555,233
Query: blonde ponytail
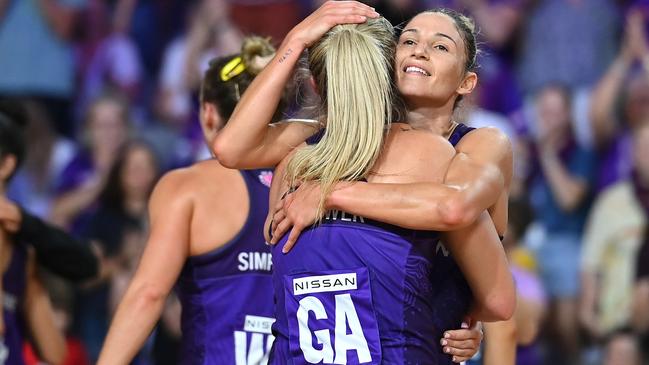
x,y
352,67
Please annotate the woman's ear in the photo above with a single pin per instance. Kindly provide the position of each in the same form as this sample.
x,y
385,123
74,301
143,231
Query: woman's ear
x,y
468,83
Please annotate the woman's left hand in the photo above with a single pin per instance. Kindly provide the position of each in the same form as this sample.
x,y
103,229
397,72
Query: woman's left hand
x,y
463,343
295,212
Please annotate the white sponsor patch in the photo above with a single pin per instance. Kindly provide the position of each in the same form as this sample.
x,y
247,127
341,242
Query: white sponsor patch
x,y
324,283
258,324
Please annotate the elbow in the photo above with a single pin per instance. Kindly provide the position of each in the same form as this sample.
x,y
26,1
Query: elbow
x,y
501,304
150,295
224,154
455,213
145,298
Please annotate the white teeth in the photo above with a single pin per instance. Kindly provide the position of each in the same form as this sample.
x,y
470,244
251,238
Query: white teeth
x,y
410,69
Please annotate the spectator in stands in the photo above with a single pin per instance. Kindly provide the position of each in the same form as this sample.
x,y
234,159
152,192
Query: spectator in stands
x,y
620,102
612,239
120,210
107,128
559,193
37,59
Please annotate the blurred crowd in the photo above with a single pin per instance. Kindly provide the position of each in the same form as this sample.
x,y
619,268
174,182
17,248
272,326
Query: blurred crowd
x,y
110,87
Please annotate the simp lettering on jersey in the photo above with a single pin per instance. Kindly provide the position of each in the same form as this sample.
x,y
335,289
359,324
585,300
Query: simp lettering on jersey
x,y
254,261
334,215
331,318
252,345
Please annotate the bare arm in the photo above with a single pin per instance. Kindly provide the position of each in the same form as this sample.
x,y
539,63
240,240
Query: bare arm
x,y
641,306
569,190
500,343
603,99
70,204
481,257
39,315
247,141
61,18
497,22
476,179
167,248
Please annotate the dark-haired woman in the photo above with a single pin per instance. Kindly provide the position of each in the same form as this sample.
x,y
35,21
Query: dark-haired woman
x,y
434,67
205,243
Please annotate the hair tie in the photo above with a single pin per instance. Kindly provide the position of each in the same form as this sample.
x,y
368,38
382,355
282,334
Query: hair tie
x,y
232,69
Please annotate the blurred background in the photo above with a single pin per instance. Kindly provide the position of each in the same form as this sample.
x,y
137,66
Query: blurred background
x,y
111,86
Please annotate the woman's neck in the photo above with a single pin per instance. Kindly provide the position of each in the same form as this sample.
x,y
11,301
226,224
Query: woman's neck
x,y
436,120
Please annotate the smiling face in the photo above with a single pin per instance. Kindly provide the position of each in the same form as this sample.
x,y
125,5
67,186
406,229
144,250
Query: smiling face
x,y
431,61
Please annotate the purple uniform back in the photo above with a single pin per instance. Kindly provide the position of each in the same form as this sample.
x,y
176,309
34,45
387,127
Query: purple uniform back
x,y
13,282
354,291
226,294
452,295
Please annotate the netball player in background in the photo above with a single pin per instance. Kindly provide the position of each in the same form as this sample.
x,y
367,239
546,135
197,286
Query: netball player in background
x,y
23,293
206,237
434,64
385,314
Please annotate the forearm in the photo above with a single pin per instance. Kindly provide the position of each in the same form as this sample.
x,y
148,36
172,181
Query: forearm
x,y
197,40
58,251
500,343
567,190
528,316
248,127
640,313
429,206
67,207
603,100
60,17
492,284
496,21
49,340
134,320
587,301
426,206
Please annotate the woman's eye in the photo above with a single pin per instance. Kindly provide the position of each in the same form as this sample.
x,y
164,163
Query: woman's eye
x,y
441,47
408,42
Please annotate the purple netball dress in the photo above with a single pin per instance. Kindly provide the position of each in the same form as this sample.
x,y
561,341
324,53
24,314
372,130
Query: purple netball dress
x,y
354,291
13,282
226,294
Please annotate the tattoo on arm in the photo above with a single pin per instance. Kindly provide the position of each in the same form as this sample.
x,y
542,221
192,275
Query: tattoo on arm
x,y
283,58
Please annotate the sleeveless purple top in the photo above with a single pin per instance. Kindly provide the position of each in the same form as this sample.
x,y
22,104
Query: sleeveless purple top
x,y
452,295
226,294
13,282
354,291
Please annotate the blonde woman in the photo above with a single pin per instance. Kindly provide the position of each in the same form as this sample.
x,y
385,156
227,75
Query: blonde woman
x,y
356,290
434,69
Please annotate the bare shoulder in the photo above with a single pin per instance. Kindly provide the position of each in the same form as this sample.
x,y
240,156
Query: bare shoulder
x,y
173,188
421,142
485,137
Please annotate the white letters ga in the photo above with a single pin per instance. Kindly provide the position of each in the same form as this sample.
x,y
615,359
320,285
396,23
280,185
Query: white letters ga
x,y
345,314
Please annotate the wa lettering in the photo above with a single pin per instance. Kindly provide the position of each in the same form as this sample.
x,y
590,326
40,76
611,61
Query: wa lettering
x,y
348,332
254,354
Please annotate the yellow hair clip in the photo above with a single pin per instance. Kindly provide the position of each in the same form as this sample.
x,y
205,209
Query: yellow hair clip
x,y
232,69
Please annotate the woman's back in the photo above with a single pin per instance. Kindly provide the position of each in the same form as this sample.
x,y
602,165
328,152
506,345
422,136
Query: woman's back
x,y
361,287
224,285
